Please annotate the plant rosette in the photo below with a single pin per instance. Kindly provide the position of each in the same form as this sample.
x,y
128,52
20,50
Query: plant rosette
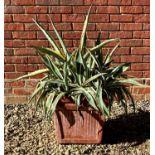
x,y
86,78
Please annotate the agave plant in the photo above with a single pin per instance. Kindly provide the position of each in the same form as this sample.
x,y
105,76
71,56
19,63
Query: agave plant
x,y
83,74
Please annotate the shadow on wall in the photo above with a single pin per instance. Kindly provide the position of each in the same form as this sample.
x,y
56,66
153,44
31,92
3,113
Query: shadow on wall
x,y
132,128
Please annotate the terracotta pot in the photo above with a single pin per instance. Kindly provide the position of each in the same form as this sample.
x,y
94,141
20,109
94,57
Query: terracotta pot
x,y
77,127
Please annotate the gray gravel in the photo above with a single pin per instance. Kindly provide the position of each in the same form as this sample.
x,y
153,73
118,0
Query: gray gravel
x,y
28,133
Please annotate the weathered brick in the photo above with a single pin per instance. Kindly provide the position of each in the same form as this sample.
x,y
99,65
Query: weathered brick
x,y
146,58
131,9
94,35
60,9
107,9
140,66
7,2
122,51
141,34
9,68
107,26
71,2
146,42
7,35
24,51
12,75
14,43
121,18
16,84
36,9
23,18
47,2
137,74
7,18
15,99
119,2
31,43
142,18
146,9
130,26
99,18
131,58
96,2
24,35
146,26
13,26
70,35
45,18
26,68
140,50
22,91
34,60
131,42
79,26
141,2
34,27
120,34
15,60
72,18
14,9
62,26
8,51
83,9
19,2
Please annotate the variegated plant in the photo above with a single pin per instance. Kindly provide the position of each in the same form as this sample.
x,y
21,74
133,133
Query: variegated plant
x,y
83,74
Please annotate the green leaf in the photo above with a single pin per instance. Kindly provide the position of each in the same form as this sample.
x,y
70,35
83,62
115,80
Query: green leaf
x,y
60,40
83,36
49,38
65,71
102,44
50,52
37,72
55,102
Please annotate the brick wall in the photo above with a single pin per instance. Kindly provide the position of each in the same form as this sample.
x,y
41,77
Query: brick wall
x,y
125,19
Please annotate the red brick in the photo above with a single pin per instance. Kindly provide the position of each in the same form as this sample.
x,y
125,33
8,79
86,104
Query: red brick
x,y
107,26
14,43
71,34
31,43
139,90
146,74
8,51
96,2
146,9
131,42
122,50
140,66
141,34
16,84
121,18
137,74
19,2
131,26
47,2
12,75
116,59
79,26
71,2
99,18
140,50
119,2
34,60
26,68
72,18
45,18
83,9
13,26
24,35
23,18
107,9
9,68
24,51
34,27
36,9
68,43
146,58
22,91
60,9
15,60
146,42
31,83
7,35
146,26
7,91
145,18
7,2
41,36
131,9
14,9
131,58
62,26
120,34
7,18
141,2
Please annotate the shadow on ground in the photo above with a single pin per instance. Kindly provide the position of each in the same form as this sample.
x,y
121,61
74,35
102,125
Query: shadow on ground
x,y
132,128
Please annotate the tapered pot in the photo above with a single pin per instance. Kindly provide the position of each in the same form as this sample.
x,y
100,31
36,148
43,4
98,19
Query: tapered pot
x,y
82,126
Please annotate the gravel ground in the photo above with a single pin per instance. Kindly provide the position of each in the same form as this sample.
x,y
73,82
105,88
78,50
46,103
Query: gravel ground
x,y
28,133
